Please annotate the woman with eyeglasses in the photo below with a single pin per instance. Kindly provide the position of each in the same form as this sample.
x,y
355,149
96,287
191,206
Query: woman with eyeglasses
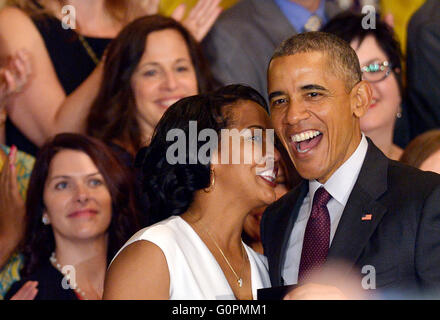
x,y
380,59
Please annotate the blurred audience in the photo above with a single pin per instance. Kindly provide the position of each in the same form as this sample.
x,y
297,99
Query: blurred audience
x,y
380,59
79,212
196,251
66,62
423,67
243,39
424,152
152,63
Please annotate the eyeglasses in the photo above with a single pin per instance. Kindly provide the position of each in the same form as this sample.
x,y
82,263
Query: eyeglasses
x,y
376,71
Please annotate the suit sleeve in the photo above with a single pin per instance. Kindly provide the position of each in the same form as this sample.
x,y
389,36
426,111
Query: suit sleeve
x,y
427,247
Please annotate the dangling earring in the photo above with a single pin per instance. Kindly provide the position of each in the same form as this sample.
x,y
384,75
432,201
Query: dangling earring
x,y
212,178
45,219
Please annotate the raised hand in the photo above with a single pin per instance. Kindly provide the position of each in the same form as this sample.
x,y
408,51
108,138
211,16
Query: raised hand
x,y
200,19
27,292
14,76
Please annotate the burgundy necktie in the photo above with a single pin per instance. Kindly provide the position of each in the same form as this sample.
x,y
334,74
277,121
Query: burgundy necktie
x,y
317,235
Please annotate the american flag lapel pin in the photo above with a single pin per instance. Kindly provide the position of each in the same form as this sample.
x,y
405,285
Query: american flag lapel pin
x,y
367,217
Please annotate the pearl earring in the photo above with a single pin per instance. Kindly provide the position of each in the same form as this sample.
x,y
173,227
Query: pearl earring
x,y
45,220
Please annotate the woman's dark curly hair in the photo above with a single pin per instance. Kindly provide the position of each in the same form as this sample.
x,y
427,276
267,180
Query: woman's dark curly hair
x,y
170,187
113,115
348,26
39,240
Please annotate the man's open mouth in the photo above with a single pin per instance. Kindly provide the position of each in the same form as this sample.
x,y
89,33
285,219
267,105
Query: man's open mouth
x,y
306,140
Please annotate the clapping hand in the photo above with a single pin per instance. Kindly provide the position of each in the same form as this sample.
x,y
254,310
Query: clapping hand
x,y
14,76
27,292
200,19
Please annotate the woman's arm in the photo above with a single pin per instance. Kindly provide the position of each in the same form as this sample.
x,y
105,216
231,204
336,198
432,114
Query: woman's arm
x,y
139,272
42,109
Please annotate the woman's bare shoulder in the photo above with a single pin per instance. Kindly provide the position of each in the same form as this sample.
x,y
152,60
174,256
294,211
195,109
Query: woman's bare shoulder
x,y
140,271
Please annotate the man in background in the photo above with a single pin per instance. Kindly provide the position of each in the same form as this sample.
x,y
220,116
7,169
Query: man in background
x,y
240,44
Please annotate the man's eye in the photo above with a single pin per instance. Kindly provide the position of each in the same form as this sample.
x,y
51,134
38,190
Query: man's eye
x,y
278,102
314,95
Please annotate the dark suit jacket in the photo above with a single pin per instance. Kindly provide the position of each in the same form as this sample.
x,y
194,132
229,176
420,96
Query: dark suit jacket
x,y
242,41
402,240
423,67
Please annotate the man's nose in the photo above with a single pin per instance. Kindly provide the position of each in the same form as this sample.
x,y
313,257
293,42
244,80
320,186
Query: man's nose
x,y
296,113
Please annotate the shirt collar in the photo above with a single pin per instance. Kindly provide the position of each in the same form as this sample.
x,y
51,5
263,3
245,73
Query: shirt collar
x,y
341,183
298,15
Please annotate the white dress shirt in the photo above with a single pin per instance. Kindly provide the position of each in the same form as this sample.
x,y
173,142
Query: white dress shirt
x,y
339,185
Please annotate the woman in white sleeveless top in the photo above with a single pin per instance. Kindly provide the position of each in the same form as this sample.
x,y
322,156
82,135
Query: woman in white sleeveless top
x,y
196,250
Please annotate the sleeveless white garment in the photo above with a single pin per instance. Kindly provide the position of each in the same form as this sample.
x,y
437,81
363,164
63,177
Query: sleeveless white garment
x,y
194,272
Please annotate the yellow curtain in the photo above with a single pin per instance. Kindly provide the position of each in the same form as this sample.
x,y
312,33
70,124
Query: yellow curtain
x,y
167,6
402,11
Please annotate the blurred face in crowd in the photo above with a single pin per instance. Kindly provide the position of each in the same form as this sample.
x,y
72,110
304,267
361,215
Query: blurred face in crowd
x,y
386,96
253,220
432,163
77,201
315,115
164,75
250,179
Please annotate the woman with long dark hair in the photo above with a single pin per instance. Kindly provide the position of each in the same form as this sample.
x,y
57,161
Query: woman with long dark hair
x,y
152,63
80,210
196,250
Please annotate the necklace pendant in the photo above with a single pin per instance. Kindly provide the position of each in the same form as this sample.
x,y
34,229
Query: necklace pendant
x,y
240,282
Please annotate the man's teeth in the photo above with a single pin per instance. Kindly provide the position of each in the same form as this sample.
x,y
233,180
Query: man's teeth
x,y
305,135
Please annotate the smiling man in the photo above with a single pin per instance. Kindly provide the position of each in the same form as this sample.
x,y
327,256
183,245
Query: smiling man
x,y
354,205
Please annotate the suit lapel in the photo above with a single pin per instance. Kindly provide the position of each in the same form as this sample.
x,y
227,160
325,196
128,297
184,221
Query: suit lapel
x,y
363,211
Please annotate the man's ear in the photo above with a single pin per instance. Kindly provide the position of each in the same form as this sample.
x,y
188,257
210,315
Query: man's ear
x,y
361,96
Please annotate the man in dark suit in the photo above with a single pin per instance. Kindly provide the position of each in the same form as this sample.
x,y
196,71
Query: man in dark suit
x,y
354,204
423,66
242,40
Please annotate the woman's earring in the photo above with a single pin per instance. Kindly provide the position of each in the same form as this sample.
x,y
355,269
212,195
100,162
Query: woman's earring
x,y
399,114
45,219
212,178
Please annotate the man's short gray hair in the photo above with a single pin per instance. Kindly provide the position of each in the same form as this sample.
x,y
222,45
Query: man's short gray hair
x,y
342,59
